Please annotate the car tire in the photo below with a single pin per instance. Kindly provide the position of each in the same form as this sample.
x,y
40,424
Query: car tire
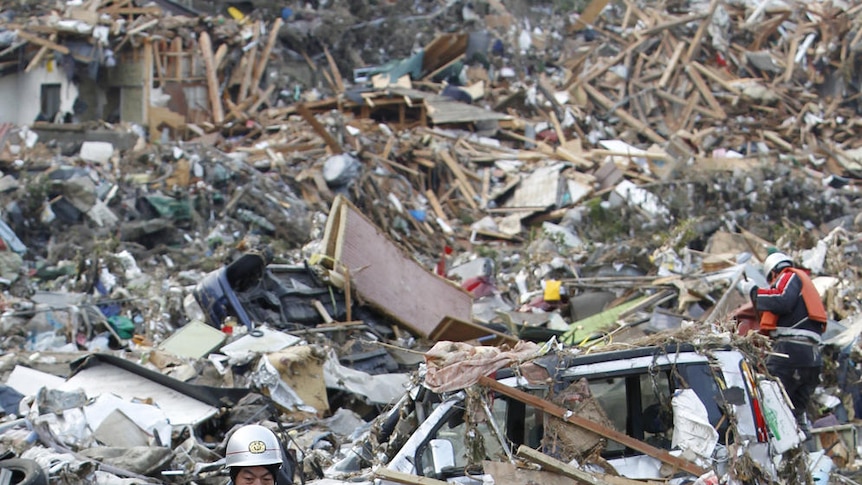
x,y
25,472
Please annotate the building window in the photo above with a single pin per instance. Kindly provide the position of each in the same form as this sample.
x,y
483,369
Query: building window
x,y
50,101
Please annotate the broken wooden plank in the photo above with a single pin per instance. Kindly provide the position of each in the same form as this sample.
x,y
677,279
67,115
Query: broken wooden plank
x,y
416,298
406,478
555,465
260,67
612,434
780,142
589,15
336,74
35,39
508,474
140,28
39,55
682,102
715,77
624,115
157,59
701,86
455,330
123,11
212,81
671,65
435,204
456,169
248,64
669,25
694,46
321,130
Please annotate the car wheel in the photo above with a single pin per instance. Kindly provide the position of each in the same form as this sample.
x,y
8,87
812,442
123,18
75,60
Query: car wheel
x,y
24,472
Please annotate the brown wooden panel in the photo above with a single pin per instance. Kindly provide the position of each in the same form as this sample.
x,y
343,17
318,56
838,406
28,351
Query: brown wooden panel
x,y
387,279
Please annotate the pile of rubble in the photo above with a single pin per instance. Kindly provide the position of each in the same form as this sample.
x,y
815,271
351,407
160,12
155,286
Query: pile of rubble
x,y
210,220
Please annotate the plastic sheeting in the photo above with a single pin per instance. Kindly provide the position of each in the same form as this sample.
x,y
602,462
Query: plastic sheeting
x,y
691,427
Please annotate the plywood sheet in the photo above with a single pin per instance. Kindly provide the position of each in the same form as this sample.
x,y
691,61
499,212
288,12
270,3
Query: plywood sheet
x,y
387,279
508,474
461,331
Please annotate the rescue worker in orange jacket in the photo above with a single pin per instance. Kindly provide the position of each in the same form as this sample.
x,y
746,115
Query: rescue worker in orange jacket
x,y
792,314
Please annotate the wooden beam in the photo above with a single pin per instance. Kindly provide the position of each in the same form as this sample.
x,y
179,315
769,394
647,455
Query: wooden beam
x,y
336,74
671,65
435,204
260,67
456,169
682,102
624,115
157,58
589,15
148,78
219,56
714,77
609,433
669,24
554,465
39,55
575,82
262,98
406,478
701,86
140,28
440,69
157,11
35,39
321,130
176,55
212,82
694,47
248,64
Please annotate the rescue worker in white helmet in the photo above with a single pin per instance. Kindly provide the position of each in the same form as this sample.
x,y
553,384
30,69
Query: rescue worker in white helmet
x,y
253,456
792,314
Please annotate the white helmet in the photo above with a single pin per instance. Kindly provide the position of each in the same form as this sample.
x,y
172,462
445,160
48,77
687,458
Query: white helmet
x,y
252,445
776,261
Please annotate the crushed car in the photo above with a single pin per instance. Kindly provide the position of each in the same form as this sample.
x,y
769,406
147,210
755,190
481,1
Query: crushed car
x,y
708,407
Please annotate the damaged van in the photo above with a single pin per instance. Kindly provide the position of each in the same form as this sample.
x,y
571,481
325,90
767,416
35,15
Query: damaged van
x,y
708,407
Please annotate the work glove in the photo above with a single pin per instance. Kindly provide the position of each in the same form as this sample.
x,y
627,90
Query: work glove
x,y
747,287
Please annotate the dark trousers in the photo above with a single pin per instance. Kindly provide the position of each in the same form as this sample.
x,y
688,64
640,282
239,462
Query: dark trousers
x,y
799,382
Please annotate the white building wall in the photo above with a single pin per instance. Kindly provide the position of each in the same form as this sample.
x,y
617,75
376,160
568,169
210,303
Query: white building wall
x,y
20,94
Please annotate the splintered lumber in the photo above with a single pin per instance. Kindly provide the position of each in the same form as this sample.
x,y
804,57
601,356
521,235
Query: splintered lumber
x,y
609,433
321,130
624,115
715,77
336,74
671,65
701,86
435,204
589,15
694,47
406,478
35,39
669,24
212,81
453,165
508,474
386,278
552,464
248,64
39,55
260,67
